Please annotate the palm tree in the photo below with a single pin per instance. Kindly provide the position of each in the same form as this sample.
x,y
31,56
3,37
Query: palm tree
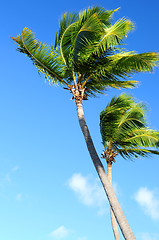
x,y
86,59
124,131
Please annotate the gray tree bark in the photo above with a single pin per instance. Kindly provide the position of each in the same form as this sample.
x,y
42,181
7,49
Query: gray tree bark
x,y
113,219
114,204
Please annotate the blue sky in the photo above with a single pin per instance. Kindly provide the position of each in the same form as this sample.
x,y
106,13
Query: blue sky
x,y
49,189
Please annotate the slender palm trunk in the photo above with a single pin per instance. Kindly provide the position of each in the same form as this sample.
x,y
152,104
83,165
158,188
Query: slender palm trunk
x,y
113,220
123,224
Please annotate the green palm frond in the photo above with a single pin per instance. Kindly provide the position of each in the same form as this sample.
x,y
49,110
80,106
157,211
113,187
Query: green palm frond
x,y
136,152
130,62
101,85
135,116
66,43
143,137
124,127
122,102
114,35
66,20
111,69
111,116
108,79
108,38
123,65
70,17
77,35
42,56
90,32
103,15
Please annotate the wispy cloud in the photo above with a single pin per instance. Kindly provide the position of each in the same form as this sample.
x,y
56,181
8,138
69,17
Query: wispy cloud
x,y
14,169
8,175
149,201
18,197
60,233
88,191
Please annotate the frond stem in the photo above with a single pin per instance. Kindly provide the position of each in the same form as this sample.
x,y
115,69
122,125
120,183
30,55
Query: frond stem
x,y
86,81
142,135
61,44
74,79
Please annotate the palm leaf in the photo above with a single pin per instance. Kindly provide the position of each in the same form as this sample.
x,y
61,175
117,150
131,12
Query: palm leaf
x,y
111,69
111,116
78,35
135,116
90,32
123,126
130,62
66,20
122,65
103,36
136,152
143,137
88,28
42,56
103,15
108,79
66,43
114,35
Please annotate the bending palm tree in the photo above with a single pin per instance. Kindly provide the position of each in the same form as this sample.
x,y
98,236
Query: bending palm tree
x,y
86,61
124,131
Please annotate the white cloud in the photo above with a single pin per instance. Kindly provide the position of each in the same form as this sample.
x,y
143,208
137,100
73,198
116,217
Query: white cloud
x,y
9,174
60,233
89,191
19,197
14,169
149,201
147,236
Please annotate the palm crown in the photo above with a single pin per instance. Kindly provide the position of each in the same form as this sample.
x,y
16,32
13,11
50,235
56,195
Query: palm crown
x,y
124,128
87,53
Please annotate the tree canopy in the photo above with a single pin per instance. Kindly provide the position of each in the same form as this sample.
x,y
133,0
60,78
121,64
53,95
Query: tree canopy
x,y
124,128
88,52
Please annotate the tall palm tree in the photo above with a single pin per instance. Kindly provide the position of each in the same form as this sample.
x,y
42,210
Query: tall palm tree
x,y
86,59
124,131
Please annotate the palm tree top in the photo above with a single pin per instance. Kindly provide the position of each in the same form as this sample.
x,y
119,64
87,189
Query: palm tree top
x,y
124,128
87,53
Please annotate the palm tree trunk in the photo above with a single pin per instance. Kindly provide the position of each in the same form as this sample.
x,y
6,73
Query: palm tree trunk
x,y
113,220
123,224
